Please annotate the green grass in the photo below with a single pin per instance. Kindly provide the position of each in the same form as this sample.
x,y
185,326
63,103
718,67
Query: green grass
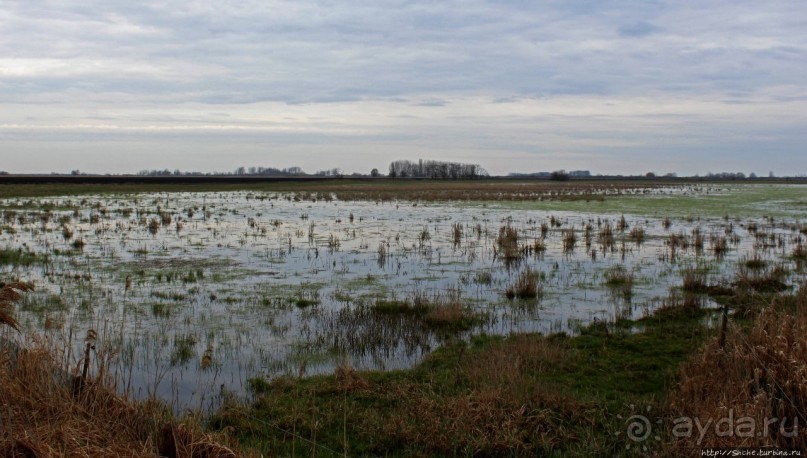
x,y
20,258
575,391
739,200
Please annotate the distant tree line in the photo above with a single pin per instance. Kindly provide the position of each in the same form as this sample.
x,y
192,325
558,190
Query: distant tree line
x,y
729,175
557,175
240,171
435,169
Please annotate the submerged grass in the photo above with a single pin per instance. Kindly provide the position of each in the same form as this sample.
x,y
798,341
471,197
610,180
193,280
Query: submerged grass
x,y
48,411
520,395
528,395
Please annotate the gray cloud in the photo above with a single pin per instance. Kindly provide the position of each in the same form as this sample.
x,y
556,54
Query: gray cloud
x,y
138,67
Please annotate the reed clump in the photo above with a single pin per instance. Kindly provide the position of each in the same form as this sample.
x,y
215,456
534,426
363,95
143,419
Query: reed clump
x,y
637,234
606,237
569,240
507,243
694,281
757,375
381,253
9,294
619,279
436,311
153,226
525,287
767,280
456,234
720,246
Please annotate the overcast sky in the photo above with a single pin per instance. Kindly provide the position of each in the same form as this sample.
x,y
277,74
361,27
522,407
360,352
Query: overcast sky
x,y
621,86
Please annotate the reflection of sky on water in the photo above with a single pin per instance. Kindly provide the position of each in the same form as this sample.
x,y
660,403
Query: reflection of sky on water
x,y
232,277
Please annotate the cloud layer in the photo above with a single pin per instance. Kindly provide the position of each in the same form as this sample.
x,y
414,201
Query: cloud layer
x,y
618,86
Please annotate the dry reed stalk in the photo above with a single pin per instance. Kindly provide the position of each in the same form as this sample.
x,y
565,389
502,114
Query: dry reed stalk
x,y
760,374
9,294
43,416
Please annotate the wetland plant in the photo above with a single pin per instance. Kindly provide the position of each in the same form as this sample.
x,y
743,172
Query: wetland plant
x,y
569,240
507,243
10,294
622,224
720,246
637,235
538,246
755,262
694,281
606,237
424,236
697,240
763,367
154,226
78,244
799,252
525,287
333,242
483,278
207,358
456,234
619,279
184,346
67,232
768,280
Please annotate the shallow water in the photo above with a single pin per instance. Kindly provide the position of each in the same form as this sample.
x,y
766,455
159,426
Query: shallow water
x,y
258,284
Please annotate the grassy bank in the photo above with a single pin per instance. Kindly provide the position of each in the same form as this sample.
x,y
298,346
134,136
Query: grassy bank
x,y
516,395
527,395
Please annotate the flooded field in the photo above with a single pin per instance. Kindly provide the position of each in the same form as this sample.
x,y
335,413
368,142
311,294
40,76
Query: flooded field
x,y
192,295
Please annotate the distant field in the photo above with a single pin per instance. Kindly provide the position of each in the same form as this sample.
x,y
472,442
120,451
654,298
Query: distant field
x,y
350,188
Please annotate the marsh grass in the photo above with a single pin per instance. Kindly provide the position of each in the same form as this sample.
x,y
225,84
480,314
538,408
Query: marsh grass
x,y
694,280
637,234
153,226
507,243
619,279
755,262
20,257
47,411
757,375
799,251
456,234
375,335
720,246
521,395
764,280
436,311
525,287
381,253
569,240
606,238
9,295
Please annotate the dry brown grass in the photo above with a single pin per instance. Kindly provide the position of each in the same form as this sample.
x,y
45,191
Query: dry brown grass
x,y
503,411
507,243
761,373
493,190
9,294
525,287
445,314
44,414
489,401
